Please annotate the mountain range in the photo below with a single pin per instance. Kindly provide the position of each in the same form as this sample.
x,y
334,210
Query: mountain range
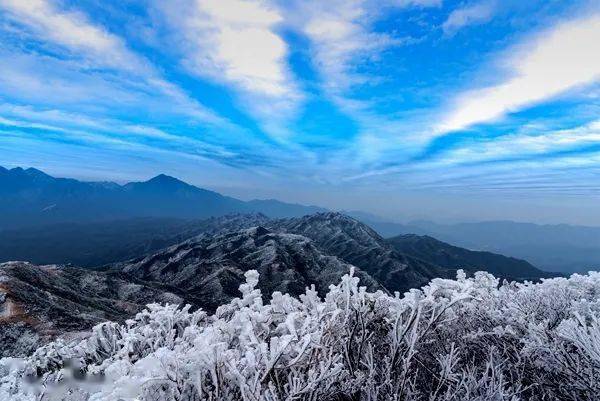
x,y
38,303
94,223
30,197
207,271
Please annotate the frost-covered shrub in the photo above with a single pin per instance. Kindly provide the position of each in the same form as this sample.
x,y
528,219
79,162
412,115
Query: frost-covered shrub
x,y
463,339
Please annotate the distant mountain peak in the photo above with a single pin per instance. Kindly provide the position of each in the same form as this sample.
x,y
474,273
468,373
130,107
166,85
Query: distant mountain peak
x,y
38,175
166,179
163,184
163,177
341,219
35,171
28,172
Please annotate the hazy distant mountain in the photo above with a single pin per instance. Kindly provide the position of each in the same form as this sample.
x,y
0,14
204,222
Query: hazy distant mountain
x,y
560,248
440,253
29,197
389,229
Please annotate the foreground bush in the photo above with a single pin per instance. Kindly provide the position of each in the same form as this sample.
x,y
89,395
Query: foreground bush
x,y
463,339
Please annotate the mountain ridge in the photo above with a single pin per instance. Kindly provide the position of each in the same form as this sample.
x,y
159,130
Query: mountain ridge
x,y
551,247
30,198
289,262
437,252
357,243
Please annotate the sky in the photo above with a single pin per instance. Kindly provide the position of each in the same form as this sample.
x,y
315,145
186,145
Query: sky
x,y
437,109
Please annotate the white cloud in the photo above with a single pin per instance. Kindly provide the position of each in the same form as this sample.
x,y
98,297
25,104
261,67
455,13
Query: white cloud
x,y
520,145
106,131
35,78
469,15
341,34
560,59
235,41
72,30
99,48
526,145
346,51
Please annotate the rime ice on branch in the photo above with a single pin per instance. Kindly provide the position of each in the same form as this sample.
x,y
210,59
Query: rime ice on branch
x,y
463,339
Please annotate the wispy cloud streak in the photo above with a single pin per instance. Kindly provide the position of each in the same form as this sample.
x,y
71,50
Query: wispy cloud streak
x,y
555,61
97,48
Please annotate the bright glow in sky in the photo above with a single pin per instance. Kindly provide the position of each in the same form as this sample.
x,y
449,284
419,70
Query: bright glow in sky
x,y
465,110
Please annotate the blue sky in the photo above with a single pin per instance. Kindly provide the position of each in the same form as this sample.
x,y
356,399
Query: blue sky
x,y
471,110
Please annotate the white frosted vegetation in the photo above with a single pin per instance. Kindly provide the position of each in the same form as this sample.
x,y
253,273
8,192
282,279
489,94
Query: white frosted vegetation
x,y
463,339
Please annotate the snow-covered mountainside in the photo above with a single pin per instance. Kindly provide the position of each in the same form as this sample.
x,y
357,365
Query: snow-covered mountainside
x,y
356,243
39,302
208,270
331,233
464,339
